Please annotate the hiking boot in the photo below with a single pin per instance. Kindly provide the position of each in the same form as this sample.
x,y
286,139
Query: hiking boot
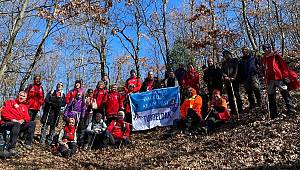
x,y
86,147
291,112
13,152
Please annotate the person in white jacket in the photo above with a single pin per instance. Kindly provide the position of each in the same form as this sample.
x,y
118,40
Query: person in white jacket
x,y
95,132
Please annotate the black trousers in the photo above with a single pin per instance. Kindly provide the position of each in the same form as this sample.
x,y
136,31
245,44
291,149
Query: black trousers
x,y
15,128
236,91
32,114
252,87
68,151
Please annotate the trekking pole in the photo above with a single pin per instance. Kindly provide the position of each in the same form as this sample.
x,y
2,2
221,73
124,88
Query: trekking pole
x,y
90,147
234,99
267,97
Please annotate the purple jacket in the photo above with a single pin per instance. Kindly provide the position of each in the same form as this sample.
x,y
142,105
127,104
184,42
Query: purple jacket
x,y
75,109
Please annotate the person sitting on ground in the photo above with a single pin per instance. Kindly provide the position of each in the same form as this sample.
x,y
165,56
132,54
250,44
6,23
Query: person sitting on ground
x,y
190,112
67,139
118,130
95,132
16,118
218,111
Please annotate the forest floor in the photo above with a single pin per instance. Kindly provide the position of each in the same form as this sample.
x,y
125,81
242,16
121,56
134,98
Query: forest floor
x,y
253,142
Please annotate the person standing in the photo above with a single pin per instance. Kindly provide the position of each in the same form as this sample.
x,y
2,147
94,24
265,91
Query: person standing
x,y
133,80
114,104
54,102
249,76
276,73
171,81
35,96
213,77
230,76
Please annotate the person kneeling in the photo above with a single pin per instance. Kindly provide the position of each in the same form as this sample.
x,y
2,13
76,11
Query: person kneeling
x,y
95,130
190,112
218,111
118,130
68,139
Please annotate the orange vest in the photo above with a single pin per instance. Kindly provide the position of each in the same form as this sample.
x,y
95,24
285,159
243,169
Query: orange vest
x,y
195,103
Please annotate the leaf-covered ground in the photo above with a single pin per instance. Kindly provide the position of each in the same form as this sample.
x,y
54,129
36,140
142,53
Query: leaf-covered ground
x,y
251,142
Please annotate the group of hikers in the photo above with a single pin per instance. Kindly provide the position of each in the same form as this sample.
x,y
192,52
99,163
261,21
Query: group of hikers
x,y
102,116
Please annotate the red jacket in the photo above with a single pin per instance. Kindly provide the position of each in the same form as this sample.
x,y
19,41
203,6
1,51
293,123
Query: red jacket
x,y
133,80
9,112
35,96
191,79
72,94
101,97
275,67
114,103
119,129
221,108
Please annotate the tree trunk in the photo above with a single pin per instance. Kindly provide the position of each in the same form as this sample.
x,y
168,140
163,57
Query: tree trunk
x,y
280,27
15,29
164,29
248,30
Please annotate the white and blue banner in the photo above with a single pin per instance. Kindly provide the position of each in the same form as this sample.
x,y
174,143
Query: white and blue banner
x,y
157,107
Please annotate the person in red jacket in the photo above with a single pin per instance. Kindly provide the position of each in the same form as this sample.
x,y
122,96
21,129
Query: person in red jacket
x,y
35,96
191,79
100,94
73,93
118,130
113,104
16,118
126,103
276,73
133,80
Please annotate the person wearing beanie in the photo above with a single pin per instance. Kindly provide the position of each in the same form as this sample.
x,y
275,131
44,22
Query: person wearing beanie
x,y
133,79
74,92
230,77
95,132
35,96
105,80
67,139
118,130
54,102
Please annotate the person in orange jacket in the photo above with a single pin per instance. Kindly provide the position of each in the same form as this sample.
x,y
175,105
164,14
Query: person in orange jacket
x,y
190,112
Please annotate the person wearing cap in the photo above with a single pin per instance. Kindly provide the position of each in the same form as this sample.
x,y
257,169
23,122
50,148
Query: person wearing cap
x,y
133,80
95,129
100,94
35,96
16,119
150,83
180,73
114,103
212,77
277,74
54,102
230,76
73,92
105,81
67,139
171,80
249,66
118,130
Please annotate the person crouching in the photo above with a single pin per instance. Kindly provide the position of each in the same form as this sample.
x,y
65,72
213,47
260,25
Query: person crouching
x,y
118,130
190,112
95,131
218,113
68,139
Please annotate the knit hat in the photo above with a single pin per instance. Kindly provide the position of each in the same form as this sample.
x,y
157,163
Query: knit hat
x,y
266,46
78,81
132,71
121,113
